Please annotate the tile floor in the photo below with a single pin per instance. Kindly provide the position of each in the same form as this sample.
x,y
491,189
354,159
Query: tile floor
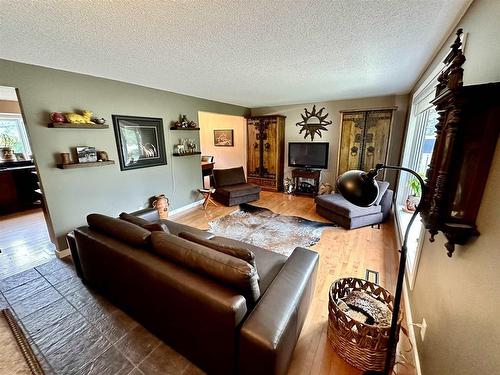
x,y
73,330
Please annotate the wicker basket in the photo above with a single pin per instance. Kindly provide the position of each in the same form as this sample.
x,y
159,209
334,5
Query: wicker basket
x,y
361,345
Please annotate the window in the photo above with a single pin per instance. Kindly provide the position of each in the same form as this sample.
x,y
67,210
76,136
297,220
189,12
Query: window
x,y
417,152
13,126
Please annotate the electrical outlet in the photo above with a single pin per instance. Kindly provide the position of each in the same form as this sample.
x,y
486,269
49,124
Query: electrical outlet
x,y
423,329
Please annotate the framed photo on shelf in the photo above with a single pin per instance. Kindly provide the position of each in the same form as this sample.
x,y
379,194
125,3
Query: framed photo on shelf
x,y
223,138
86,154
140,141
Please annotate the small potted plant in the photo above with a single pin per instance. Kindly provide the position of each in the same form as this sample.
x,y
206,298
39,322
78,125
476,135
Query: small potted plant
x,y
6,143
413,199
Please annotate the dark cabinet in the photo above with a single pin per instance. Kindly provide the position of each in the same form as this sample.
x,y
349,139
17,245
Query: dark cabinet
x,y
266,151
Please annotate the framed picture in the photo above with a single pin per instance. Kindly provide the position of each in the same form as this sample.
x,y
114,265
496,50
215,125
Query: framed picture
x,y
86,154
140,141
223,138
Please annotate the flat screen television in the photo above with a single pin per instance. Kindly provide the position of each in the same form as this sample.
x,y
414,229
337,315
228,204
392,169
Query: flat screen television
x,y
308,154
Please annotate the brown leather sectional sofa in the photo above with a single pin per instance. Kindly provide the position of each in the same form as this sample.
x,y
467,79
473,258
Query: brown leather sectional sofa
x,y
228,314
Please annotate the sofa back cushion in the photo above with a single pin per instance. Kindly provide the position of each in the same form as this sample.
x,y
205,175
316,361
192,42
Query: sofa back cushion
x,y
224,268
119,229
231,176
134,219
237,252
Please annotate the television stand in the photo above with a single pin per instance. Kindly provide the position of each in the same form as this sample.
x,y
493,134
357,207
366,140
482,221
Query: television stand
x,y
306,181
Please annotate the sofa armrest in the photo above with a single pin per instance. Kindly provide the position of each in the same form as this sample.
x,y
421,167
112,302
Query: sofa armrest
x,y
270,333
386,203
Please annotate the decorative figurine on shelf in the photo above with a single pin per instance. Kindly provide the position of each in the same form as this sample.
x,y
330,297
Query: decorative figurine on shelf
x,y
100,121
191,146
57,117
65,158
179,148
184,123
75,118
161,203
325,188
102,156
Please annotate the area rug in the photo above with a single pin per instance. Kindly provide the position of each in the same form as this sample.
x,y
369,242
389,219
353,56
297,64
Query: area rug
x,y
16,355
262,227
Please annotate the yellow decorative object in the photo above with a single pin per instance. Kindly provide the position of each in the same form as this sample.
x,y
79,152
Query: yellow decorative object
x,y
75,118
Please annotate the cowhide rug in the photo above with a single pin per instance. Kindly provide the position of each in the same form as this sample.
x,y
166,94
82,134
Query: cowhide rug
x,y
262,227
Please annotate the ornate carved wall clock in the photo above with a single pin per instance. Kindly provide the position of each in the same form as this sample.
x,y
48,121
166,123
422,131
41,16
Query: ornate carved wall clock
x,y
313,122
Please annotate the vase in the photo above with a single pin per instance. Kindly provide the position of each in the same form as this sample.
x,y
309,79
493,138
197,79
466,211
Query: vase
x,y
161,204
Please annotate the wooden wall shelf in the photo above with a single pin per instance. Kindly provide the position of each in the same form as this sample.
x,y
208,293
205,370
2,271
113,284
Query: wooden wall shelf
x,y
68,125
188,154
174,128
85,165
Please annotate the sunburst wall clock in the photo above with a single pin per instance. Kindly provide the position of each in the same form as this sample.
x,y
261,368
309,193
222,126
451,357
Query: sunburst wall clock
x,y
313,122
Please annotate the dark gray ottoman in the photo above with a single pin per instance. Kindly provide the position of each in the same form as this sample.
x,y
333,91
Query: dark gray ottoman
x,y
335,208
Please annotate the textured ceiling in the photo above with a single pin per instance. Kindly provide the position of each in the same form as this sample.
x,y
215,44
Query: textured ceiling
x,y
253,53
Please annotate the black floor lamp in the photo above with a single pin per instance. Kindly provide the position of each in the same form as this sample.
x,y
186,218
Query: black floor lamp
x,y
360,188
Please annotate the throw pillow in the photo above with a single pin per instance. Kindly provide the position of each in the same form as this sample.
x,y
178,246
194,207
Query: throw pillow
x,y
156,227
237,252
224,268
119,229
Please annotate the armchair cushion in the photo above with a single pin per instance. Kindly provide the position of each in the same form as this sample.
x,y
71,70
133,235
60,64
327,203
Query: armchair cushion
x,y
238,190
227,177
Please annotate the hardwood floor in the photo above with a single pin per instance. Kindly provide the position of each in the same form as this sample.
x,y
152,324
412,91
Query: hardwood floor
x,y
343,253
24,242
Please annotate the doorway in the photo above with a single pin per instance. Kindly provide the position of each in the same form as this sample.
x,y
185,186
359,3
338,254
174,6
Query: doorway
x,y
24,236
231,154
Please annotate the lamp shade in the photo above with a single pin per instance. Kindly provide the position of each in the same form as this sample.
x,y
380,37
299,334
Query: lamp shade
x,y
358,187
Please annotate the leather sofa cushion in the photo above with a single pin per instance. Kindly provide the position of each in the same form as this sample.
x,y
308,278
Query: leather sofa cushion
x,y
382,188
269,263
120,229
227,177
230,249
224,268
238,190
134,219
338,204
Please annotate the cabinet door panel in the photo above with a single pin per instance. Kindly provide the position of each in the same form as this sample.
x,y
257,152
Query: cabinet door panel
x,y
253,150
351,141
376,138
270,149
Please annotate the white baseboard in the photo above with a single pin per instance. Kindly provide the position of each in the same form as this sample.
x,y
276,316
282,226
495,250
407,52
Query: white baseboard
x,y
411,331
62,253
186,207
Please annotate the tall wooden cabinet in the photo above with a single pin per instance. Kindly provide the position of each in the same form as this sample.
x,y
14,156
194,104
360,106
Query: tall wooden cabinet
x,y
266,151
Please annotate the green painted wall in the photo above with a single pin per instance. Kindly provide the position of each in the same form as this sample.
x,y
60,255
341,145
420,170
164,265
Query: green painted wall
x,y
72,194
